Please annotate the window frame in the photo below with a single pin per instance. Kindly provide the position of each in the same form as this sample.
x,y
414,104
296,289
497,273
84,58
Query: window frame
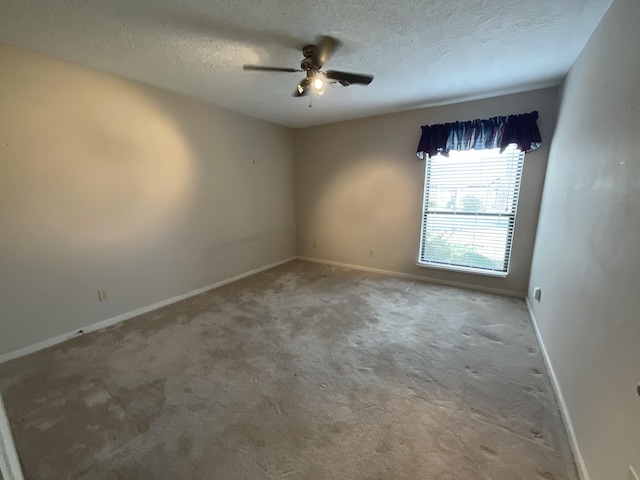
x,y
510,228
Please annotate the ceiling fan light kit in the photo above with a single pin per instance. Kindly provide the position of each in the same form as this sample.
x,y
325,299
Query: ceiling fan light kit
x,y
315,56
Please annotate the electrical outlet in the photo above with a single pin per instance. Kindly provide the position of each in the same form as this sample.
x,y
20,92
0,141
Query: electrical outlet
x,y
537,293
103,295
632,474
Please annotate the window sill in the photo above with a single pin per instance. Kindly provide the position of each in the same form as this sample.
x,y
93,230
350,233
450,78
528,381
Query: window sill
x,y
454,268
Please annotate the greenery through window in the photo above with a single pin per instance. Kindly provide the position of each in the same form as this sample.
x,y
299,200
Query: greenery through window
x,y
470,201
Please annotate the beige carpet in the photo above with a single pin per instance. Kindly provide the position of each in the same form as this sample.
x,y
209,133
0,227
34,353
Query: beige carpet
x,y
301,372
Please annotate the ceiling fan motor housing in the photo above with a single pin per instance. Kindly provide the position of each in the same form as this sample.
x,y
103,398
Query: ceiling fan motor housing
x,y
308,64
310,58
309,51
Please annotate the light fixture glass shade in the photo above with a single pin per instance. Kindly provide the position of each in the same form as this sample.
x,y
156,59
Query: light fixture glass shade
x,y
318,84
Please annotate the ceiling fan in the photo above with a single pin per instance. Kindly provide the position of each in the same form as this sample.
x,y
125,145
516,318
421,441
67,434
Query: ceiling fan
x,y
315,56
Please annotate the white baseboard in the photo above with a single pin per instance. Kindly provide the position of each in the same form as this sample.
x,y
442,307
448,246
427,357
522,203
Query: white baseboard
x,y
126,316
573,441
497,291
9,462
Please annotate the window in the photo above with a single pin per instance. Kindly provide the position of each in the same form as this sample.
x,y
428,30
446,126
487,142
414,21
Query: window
x,y
470,201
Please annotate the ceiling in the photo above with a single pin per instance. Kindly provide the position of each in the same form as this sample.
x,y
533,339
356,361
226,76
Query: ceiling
x,y
422,52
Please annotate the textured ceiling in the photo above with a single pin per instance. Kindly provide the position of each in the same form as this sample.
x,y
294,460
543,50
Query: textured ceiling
x,y
422,52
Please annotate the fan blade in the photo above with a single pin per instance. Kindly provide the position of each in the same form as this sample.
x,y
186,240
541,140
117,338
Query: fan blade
x,y
303,88
260,68
326,47
346,78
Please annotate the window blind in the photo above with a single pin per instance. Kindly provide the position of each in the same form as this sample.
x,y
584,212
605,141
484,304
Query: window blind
x,y
470,203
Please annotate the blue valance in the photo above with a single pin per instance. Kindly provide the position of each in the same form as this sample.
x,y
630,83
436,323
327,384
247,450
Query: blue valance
x,y
496,132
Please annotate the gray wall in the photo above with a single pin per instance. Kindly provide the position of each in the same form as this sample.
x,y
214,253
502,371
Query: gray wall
x,y
587,254
359,186
109,184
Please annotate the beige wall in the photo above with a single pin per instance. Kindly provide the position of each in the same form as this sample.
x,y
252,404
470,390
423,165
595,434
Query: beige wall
x,y
109,184
587,254
359,186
